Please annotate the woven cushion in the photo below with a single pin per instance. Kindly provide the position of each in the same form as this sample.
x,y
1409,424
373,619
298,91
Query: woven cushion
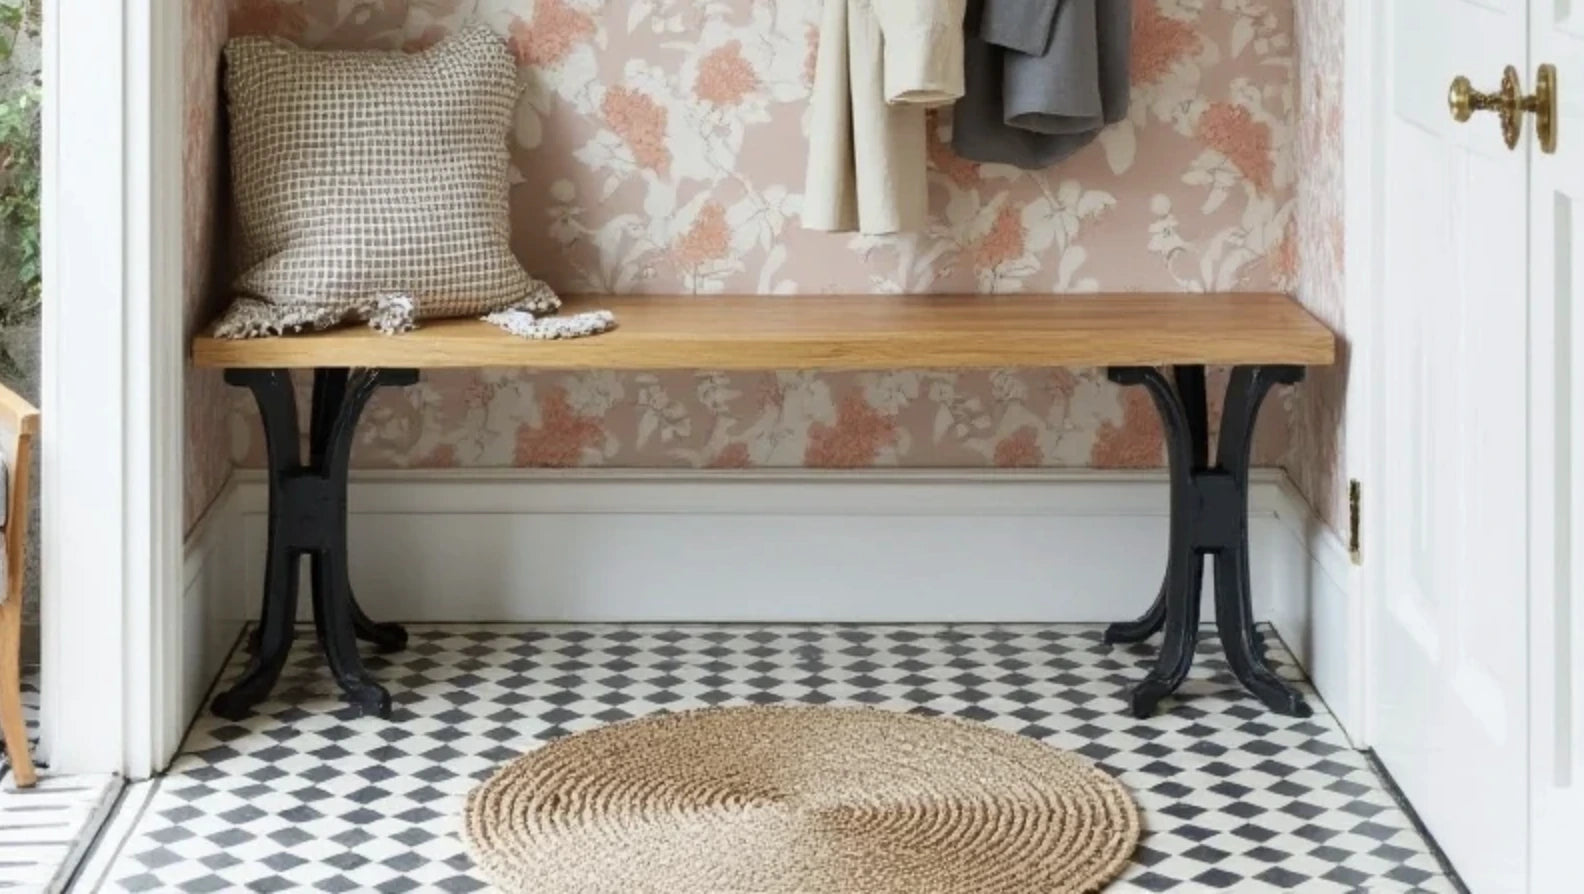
x,y
373,186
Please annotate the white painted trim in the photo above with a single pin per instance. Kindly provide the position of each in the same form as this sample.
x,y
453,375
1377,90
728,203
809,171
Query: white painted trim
x,y
212,612
1363,126
767,546
599,545
1320,616
111,382
94,871
1556,466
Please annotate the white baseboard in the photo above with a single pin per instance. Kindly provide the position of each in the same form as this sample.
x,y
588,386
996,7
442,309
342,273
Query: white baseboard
x,y
605,545
794,546
1321,618
213,610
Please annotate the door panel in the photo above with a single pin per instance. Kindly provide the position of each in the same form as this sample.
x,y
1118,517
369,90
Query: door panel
x,y
1556,465
1449,668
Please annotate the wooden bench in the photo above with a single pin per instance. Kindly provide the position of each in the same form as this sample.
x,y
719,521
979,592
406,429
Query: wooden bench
x,y
1266,339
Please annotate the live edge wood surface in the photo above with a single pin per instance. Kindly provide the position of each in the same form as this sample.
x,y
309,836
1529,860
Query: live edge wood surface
x,y
753,332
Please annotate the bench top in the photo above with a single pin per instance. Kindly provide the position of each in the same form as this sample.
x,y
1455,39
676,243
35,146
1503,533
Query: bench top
x,y
755,332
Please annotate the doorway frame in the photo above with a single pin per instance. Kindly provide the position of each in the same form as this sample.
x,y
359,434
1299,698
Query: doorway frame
x,y
1367,424
111,385
1363,52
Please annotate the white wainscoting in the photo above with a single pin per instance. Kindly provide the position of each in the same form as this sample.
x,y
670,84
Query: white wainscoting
x,y
1318,611
904,546
213,609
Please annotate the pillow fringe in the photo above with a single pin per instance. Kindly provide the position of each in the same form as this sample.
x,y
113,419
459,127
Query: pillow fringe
x,y
523,323
393,313
252,318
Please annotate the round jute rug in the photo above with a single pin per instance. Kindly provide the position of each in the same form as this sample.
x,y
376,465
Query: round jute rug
x,y
800,800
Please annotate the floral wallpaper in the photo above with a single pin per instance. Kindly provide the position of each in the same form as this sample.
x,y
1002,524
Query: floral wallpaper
x,y
658,149
208,454
1316,460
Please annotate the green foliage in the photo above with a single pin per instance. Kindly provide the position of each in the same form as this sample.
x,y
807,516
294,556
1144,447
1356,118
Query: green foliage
x,y
18,18
19,202
19,168
10,26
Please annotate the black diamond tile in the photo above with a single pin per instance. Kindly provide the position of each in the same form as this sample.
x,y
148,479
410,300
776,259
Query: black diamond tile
x,y
1408,875
1207,770
1282,878
1375,831
1253,832
1302,810
1243,809
1150,881
1342,875
1217,878
1206,854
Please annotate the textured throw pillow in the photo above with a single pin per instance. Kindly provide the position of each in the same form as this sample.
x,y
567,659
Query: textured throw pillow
x,y
373,186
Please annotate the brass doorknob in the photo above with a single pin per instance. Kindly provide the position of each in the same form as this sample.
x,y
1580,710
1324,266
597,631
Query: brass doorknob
x,y
1510,104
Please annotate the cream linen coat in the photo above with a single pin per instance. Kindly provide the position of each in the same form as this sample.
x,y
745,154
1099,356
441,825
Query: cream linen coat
x,y
881,65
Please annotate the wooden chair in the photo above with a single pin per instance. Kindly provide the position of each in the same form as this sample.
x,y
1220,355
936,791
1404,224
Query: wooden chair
x,y
19,424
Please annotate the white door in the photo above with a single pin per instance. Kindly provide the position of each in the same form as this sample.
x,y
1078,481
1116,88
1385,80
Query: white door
x,y
1556,327
1449,371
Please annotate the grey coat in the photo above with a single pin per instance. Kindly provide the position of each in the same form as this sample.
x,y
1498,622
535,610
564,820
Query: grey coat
x,y
1042,78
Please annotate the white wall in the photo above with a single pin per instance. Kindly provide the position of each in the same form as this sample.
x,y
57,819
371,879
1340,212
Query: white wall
x,y
1046,546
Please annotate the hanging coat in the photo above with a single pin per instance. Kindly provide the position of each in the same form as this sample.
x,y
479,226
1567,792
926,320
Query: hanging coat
x,y
1043,78
881,65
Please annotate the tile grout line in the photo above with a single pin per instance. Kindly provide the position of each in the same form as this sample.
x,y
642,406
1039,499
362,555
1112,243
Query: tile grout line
x,y
1408,810
83,842
83,865
614,670
152,788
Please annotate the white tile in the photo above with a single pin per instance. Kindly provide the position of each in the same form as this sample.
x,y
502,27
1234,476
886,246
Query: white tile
x,y
306,793
45,829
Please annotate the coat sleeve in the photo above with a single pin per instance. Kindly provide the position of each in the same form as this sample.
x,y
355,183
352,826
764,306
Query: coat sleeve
x,y
830,188
1057,92
1115,25
923,50
1021,25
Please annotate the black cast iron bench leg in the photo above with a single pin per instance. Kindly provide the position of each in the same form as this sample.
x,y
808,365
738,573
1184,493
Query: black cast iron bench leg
x,y
1190,382
1209,516
329,395
308,515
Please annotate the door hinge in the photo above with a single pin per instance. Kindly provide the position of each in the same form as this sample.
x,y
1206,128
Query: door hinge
x,y
1355,549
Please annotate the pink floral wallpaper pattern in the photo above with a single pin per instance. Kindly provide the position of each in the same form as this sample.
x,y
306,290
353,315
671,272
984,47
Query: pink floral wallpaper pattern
x,y
208,455
1316,461
658,148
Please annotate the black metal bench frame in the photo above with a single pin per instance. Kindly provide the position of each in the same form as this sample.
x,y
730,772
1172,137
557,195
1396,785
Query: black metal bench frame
x,y
1209,516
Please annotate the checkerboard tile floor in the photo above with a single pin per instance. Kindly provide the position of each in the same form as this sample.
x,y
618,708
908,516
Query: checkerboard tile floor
x,y
304,795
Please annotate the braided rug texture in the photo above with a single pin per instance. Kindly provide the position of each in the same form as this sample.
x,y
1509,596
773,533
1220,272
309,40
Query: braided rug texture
x,y
812,800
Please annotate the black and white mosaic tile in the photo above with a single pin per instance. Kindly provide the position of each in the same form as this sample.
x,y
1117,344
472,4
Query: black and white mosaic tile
x,y
304,795
45,829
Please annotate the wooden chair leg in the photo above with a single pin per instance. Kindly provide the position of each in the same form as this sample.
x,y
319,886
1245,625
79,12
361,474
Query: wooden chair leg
x,y
12,724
